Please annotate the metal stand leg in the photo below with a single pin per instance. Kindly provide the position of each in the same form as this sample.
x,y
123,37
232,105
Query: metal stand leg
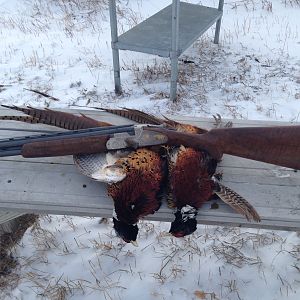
x,y
218,25
174,51
116,64
217,32
174,77
114,40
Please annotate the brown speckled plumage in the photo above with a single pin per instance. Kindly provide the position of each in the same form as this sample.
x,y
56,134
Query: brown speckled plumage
x,y
190,172
190,178
139,193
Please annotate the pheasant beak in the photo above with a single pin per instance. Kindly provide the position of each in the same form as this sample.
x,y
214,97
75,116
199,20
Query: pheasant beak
x,y
115,173
134,243
109,174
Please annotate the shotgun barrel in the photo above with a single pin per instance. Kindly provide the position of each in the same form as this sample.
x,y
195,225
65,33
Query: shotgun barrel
x,y
62,135
13,146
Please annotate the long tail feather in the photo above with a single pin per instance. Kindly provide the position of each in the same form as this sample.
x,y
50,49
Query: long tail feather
x,y
98,123
14,107
183,127
147,118
26,119
56,118
237,202
134,115
144,118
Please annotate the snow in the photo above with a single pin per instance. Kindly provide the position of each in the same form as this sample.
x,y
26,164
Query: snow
x,y
63,48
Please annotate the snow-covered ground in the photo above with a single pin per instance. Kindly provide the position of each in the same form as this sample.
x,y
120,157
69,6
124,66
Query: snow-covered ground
x,y
62,47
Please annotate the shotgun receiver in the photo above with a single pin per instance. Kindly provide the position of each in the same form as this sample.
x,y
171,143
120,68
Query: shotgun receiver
x,y
276,145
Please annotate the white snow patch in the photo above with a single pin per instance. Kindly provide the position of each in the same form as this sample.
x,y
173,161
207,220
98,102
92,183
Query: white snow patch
x,y
63,48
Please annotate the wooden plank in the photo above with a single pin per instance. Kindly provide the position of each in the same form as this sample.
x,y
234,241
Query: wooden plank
x,y
53,185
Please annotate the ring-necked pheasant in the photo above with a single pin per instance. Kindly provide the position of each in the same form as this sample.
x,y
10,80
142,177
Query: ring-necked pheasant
x,y
191,178
134,178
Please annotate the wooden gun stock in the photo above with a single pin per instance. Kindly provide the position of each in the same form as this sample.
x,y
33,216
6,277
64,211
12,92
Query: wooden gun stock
x,y
275,145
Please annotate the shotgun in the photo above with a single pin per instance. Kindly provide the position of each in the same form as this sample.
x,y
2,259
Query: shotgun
x,y
276,145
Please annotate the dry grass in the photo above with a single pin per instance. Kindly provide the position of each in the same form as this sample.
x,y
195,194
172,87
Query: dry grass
x,y
264,4
9,238
80,4
205,70
234,256
14,233
292,3
109,260
71,15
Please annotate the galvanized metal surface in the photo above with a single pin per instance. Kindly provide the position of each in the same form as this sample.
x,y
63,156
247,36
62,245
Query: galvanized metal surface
x,y
154,35
174,53
167,33
218,24
114,40
54,185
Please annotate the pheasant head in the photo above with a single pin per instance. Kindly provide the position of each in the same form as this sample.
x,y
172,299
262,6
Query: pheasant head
x,y
185,222
127,232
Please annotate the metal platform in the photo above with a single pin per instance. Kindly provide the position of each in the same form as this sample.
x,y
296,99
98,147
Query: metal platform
x,y
154,35
53,185
168,33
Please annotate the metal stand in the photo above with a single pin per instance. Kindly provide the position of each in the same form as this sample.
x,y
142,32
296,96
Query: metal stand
x,y
115,50
164,34
174,52
218,24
